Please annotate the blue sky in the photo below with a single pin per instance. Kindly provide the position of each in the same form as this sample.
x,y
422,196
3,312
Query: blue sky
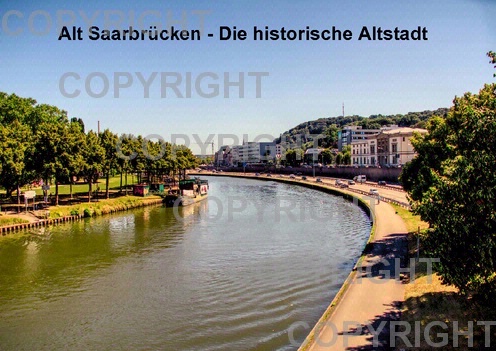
x,y
306,80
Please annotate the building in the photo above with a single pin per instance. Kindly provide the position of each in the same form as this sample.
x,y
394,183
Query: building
x,y
280,150
363,152
249,152
350,134
389,147
235,159
223,156
394,146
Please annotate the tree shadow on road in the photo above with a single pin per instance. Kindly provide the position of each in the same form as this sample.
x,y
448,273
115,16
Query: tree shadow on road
x,y
382,257
378,329
382,260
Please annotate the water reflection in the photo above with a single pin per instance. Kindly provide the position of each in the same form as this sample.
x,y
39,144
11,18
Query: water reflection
x,y
200,278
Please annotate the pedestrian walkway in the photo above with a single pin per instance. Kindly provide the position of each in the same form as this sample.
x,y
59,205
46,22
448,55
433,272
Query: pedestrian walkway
x,y
374,295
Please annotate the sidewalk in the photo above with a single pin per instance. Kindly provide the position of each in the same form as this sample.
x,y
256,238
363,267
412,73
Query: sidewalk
x,y
373,296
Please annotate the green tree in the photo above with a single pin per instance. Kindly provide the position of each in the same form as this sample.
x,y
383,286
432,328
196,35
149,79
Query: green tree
x,y
492,56
15,109
452,185
126,153
42,114
93,155
346,155
327,157
331,136
78,120
108,141
57,152
293,157
75,165
15,148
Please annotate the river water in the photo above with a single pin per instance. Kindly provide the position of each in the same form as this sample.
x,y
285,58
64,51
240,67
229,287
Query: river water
x,y
244,270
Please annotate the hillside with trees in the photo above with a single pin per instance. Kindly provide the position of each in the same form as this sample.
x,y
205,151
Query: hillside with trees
x,y
328,127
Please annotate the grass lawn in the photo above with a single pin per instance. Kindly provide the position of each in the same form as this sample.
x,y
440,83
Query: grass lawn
x,y
85,208
428,300
88,209
80,187
11,220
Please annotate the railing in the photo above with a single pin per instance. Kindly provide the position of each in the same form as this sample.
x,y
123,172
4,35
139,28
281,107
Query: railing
x,y
382,198
389,187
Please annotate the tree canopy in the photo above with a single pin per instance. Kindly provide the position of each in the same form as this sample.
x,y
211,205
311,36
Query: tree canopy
x,y
452,185
39,141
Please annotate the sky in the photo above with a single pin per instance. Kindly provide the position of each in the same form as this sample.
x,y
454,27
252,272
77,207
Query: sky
x,y
304,80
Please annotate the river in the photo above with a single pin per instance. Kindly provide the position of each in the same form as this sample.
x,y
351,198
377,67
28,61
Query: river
x,y
241,271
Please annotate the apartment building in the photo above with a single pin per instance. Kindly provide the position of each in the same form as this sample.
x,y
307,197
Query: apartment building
x,y
248,152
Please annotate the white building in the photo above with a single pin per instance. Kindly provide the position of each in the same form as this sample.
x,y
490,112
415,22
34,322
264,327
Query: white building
x,y
390,147
249,152
235,155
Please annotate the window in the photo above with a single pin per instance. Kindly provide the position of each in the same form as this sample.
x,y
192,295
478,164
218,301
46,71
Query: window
x,y
394,148
403,138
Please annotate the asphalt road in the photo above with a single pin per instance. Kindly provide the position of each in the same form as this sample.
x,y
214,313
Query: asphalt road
x,y
389,193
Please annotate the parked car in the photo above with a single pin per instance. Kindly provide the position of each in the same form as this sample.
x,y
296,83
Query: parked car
x,y
338,182
298,174
351,182
269,175
374,192
257,174
303,178
381,182
343,185
362,178
318,180
292,176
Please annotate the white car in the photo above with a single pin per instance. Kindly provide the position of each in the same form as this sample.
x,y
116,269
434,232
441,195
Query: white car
x,y
374,192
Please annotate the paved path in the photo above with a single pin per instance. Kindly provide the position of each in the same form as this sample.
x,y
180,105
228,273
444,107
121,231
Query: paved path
x,y
374,295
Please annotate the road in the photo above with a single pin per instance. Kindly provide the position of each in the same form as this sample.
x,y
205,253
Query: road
x,y
389,193
393,194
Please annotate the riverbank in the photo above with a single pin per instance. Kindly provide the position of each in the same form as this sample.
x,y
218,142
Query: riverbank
x,y
373,292
63,213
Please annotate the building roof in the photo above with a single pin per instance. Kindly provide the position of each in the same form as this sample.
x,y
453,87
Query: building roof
x,y
404,130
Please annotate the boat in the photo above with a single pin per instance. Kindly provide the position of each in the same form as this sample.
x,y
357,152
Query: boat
x,y
190,191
